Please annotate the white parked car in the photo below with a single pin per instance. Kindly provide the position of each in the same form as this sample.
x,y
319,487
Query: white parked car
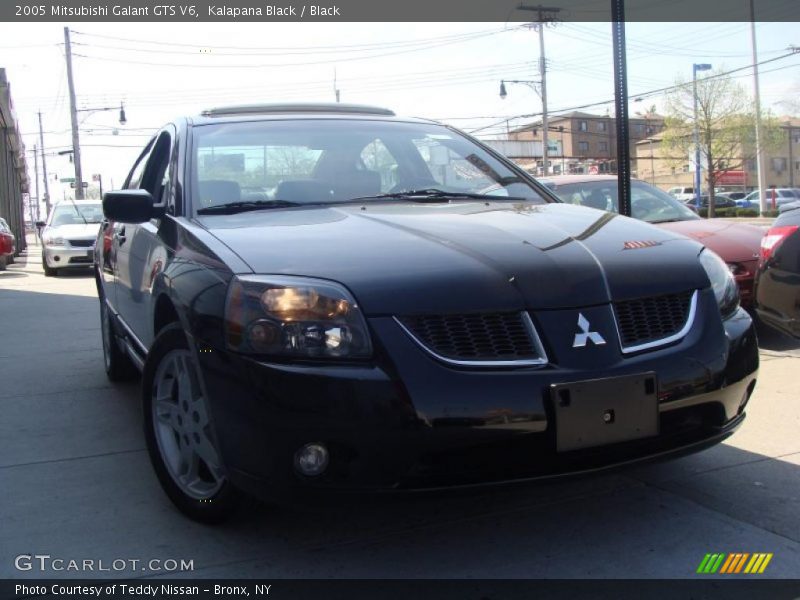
x,y
681,193
782,196
69,234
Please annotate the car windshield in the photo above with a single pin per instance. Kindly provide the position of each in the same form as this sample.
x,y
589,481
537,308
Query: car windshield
x,y
76,214
648,203
274,164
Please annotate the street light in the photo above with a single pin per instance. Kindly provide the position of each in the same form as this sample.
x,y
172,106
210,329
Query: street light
x,y
536,86
695,68
76,148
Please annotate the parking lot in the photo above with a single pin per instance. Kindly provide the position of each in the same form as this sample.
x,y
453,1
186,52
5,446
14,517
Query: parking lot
x,y
77,484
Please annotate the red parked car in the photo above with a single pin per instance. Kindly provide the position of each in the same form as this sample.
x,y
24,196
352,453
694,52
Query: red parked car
x,y
738,244
7,245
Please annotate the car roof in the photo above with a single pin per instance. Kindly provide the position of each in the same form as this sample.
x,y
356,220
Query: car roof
x,y
299,110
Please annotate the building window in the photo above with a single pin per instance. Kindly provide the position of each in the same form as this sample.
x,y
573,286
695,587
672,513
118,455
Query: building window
x,y
778,164
603,146
583,126
797,165
601,126
583,146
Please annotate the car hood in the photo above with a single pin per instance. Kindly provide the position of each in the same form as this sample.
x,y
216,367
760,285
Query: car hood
x,y
422,258
74,232
734,242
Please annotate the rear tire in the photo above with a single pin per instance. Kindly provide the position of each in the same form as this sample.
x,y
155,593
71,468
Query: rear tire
x,y
117,363
3,262
179,437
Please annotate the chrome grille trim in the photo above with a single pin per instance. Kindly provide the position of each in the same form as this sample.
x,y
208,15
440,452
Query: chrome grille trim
x,y
529,362
662,341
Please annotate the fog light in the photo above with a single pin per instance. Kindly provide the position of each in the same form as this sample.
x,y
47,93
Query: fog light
x,y
311,460
56,258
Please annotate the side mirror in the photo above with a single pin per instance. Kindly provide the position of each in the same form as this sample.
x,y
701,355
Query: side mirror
x,y
40,224
130,206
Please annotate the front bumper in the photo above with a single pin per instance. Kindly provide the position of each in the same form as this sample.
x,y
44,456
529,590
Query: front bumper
x,y
414,423
57,257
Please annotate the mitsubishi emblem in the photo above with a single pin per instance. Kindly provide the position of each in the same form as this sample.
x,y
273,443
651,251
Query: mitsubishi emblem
x,y
582,338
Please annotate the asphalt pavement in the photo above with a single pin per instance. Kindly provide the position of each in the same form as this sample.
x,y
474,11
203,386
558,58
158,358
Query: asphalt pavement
x,y
76,484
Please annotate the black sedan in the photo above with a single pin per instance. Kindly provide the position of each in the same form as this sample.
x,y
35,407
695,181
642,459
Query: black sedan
x,y
777,287
330,298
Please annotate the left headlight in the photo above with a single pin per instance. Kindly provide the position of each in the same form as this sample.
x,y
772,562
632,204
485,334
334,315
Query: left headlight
x,y
294,317
53,241
722,282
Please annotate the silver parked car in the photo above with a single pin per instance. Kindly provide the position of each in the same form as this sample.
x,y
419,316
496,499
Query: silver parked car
x,y
69,234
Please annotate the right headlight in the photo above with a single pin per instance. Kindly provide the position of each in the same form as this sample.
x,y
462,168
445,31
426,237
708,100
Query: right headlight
x,y
294,317
722,282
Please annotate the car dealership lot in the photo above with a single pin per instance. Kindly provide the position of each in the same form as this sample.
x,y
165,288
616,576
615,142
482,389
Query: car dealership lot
x,y
77,485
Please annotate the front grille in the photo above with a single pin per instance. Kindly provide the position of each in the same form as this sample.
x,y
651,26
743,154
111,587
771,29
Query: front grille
x,y
80,260
652,319
488,337
81,243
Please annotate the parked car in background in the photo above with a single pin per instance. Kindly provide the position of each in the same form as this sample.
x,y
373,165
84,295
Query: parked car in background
x,y
8,245
681,193
789,206
735,196
69,234
720,201
737,243
782,196
407,310
777,286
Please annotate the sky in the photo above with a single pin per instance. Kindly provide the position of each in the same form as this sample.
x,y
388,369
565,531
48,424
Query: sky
x,y
446,71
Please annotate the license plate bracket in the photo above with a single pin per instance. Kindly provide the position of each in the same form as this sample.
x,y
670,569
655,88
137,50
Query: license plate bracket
x,y
598,412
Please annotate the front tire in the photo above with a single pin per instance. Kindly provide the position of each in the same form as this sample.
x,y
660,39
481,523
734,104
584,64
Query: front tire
x,y
118,365
178,433
48,272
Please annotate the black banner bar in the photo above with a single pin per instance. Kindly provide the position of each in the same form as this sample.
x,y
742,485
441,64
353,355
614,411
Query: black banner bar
x,y
382,11
705,587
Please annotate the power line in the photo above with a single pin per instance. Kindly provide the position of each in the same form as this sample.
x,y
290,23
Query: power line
x,y
649,93
310,49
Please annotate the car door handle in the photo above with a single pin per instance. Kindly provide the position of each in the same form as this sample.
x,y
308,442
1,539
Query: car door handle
x,y
119,235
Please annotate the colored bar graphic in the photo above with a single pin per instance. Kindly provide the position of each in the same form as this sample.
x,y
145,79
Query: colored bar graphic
x,y
727,564
765,563
703,563
740,564
756,558
734,562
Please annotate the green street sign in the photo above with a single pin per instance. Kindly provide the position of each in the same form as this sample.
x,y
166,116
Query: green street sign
x,y
67,180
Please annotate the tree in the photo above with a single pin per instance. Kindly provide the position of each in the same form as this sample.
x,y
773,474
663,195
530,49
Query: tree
x,y
725,123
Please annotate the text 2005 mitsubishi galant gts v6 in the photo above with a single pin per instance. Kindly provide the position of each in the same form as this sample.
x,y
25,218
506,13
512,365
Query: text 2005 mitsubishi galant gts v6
x,y
330,297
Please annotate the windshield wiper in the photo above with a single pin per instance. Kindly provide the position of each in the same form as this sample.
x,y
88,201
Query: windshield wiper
x,y
77,210
431,195
236,207
667,221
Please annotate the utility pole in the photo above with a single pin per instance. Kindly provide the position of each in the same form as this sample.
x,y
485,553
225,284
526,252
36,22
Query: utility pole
x,y
44,169
544,14
790,131
76,144
36,174
762,173
621,107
